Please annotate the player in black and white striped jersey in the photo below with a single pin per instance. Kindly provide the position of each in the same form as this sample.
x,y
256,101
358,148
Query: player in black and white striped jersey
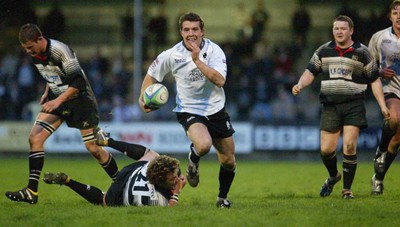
x,y
154,180
68,98
346,68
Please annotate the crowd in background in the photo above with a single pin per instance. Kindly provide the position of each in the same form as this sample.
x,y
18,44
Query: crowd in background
x,y
258,86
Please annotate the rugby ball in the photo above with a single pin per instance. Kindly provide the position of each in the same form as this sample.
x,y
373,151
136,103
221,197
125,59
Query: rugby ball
x,y
155,96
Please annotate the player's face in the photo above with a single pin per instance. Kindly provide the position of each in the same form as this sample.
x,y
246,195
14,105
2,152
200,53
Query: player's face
x,y
32,47
191,32
173,178
342,33
395,17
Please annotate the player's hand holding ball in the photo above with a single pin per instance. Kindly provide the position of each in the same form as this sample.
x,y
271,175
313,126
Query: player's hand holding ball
x,y
155,96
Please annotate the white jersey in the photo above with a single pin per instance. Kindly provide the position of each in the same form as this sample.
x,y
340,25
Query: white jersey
x,y
139,192
195,93
385,48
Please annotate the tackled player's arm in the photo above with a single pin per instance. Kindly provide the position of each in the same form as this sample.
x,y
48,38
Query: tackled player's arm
x,y
180,184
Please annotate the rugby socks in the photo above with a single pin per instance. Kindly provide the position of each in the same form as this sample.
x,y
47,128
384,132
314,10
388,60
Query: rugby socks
x,y
225,181
36,161
193,155
387,134
111,168
349,170
90,193
330,162
131,150
388,161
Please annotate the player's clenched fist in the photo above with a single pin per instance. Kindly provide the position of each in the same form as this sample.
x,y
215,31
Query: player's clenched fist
x,y
296,89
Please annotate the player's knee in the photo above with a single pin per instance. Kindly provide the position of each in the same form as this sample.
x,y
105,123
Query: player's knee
x,y
229,164
95,151
350,149
35,141
203,148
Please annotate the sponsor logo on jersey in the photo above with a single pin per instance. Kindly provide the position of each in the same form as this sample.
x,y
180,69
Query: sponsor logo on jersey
x,y
195,75
340,71
386,41
180,60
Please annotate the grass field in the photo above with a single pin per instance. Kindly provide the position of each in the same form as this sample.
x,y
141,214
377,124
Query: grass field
x,y
264,194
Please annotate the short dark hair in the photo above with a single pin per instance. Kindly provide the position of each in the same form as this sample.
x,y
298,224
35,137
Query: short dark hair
x,y
392,6
29,32
345,19
190,16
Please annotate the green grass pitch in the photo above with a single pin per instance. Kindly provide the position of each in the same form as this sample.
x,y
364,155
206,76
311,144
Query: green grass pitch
x,y
264,193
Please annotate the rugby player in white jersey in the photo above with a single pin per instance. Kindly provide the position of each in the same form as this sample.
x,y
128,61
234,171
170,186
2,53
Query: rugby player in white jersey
x,y
199,68
385,48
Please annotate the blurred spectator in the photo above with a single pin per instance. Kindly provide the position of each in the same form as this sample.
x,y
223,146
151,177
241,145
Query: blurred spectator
x,y
124,111
3,95
301,23
97,73
283,106
127,22
12,101
54,23
32,109
9,63
105,108
242,21
121,77
259,21
157,29
25,79
283,60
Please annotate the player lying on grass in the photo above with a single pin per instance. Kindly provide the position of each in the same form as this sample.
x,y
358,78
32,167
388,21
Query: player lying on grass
x,y
154,180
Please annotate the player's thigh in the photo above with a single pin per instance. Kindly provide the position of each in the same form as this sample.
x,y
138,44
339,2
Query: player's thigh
x,y
350,137
394,144
200,137
225,148
329,141
44,126
394,107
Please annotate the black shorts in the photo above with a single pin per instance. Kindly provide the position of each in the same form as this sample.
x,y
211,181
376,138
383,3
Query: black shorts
x,y
115,193
219,124
335,116
80,113
391,96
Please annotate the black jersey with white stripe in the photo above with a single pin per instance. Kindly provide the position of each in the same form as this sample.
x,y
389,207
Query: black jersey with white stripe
x,y
139,191
345,73
60,67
